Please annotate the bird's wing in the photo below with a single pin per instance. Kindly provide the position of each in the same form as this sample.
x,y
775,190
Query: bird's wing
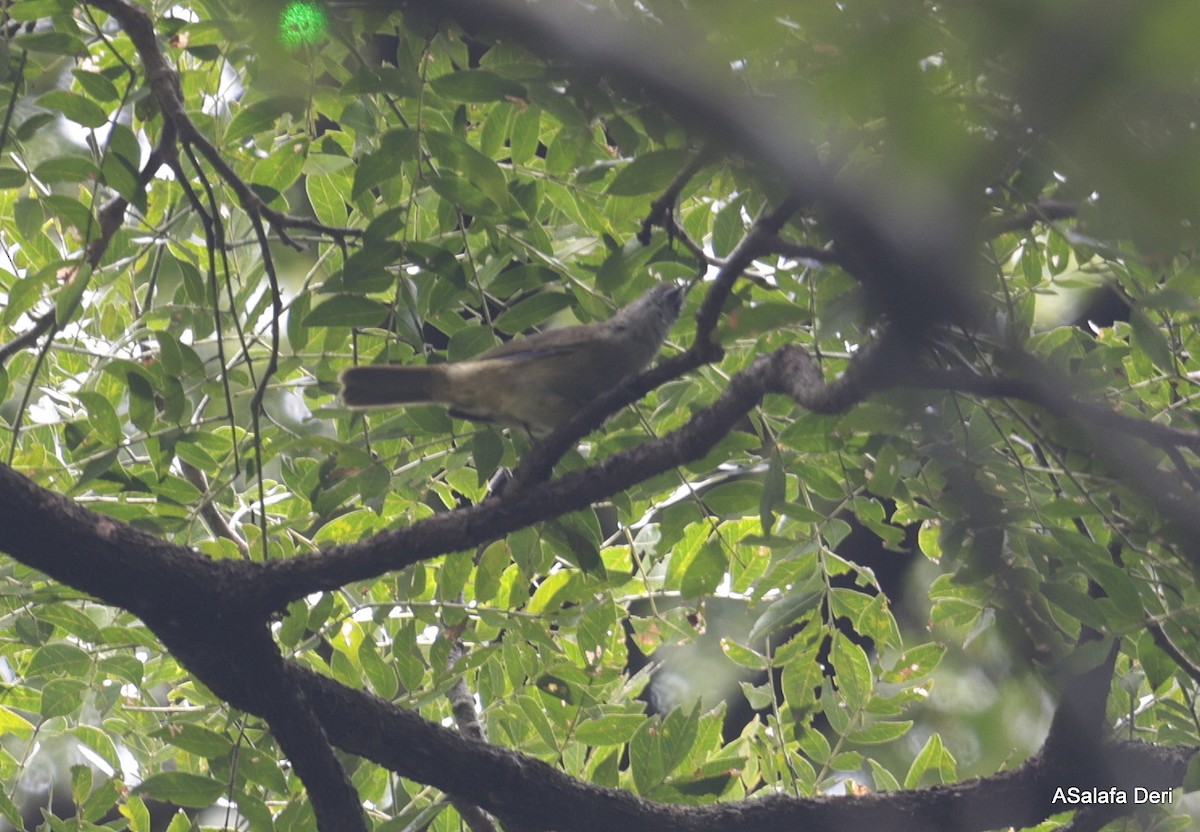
x,y
539,345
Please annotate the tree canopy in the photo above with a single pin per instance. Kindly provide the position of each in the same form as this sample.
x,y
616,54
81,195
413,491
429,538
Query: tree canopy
x,y
899,532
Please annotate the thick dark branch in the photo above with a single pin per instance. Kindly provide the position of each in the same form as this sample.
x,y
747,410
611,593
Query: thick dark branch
x,y
208,636
538,796
107,558
44,529
115,561
885,364
789,370
1108,437
301,737
1038,385
194,607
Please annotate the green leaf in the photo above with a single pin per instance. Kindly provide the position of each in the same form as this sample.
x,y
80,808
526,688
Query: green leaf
x,y
190,790
255,811
13,723
400,81
1150,339
29,217
10,811
71,213
123,668
73,621
532,311
469,342
649,173
742,655
550,592
380,674
704,572
728,228
62,697
181,822
96,85
930,758
1031,263
260,116
103,798
645,759
55,43
1191,779
853,669
373,169
881,732
536,715
486,450
102,416
406,654
27,10
11,178
325,195
737,498
774,491
59,660
786,611
83,111
142,409
347,310
612,729
282,168
710,779
477,86
1119,588
916,663
523,139
886,472
67,169
95,468
758,696
67,301
31,126
136,809
120,173
478,169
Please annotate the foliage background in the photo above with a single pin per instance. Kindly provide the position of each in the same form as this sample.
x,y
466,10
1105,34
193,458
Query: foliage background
x,y
175,373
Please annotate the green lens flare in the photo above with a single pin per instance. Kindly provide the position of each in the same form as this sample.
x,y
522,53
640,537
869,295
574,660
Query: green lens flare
x,y
302,22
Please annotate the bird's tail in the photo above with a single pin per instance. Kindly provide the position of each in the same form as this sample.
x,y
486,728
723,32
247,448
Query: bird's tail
x,y
382,386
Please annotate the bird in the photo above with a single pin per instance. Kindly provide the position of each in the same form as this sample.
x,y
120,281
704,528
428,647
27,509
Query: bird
x,y
536,382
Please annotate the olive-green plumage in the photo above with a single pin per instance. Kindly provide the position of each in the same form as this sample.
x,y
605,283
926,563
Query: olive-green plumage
x,y
536,382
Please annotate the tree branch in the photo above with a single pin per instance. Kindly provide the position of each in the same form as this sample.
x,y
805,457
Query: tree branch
x,y
297,729
1044,211
137,23
539,796
788,370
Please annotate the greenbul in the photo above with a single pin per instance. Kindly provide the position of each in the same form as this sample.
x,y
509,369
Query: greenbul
x,y
536,382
